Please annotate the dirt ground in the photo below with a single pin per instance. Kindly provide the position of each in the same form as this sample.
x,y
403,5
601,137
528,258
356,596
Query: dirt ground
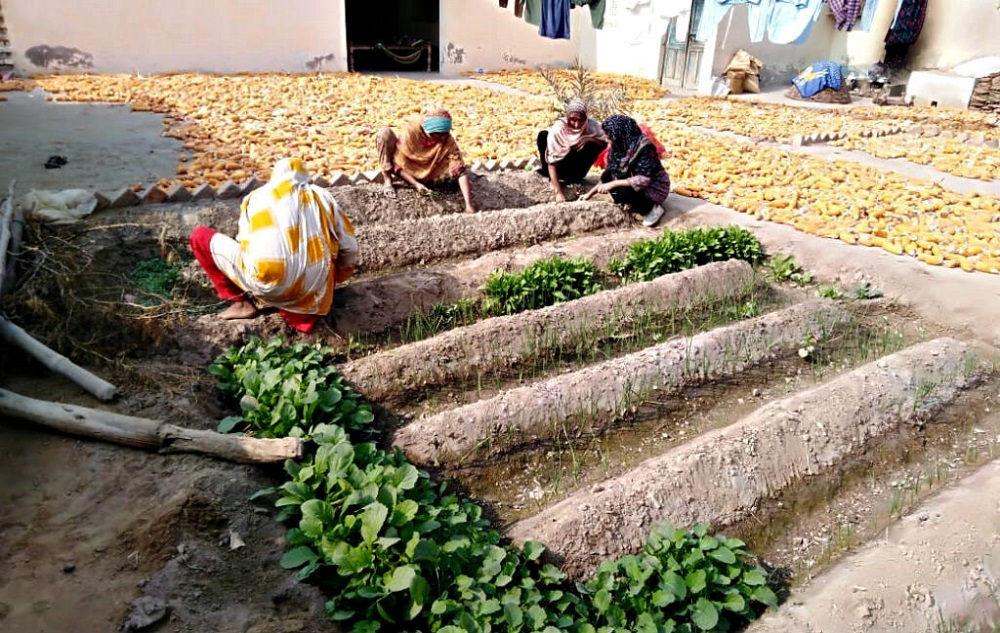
x,y
86,528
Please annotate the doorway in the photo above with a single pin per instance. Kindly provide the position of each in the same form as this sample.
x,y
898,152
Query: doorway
x,y
392,35
680,53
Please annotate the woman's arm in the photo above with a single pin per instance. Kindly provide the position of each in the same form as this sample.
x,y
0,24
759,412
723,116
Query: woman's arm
x,y
606,187
463,184
556,185
419,186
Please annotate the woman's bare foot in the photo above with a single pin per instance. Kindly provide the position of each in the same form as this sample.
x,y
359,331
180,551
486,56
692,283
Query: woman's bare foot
x,y
388,189
239,310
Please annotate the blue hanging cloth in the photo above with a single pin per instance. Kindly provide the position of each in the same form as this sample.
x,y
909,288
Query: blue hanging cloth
x,y
555,19
817,77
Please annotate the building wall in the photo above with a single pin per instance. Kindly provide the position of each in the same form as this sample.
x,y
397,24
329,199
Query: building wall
x,y
479,34
172,35
954,35
630,40
150,36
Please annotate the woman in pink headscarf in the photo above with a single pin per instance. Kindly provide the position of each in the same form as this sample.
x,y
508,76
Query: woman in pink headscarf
x,y
426,153
570,147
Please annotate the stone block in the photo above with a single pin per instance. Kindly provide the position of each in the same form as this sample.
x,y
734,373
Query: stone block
x,y
227,190
520,163
339,179
798,140
505,165
358,178
178,193
534,163
123,198
153,195
491,165
103,202
250,184
477,165
373,175
203,191
321,182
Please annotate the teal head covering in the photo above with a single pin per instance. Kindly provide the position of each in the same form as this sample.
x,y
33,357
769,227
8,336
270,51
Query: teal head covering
x,y
437,122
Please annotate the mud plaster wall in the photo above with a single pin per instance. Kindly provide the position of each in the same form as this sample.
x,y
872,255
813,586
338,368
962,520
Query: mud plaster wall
x,y
171,35
479,34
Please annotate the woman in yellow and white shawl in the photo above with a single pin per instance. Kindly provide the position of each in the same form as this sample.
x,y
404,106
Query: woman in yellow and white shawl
x,y
426,153
293,246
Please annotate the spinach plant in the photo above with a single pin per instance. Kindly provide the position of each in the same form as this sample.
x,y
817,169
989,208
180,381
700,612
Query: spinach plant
x,y
679,250
285,389
683,580
541,284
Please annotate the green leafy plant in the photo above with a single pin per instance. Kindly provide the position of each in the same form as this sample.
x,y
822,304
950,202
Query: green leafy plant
x,y
395,551
156,279
862,292
785,268
283,390
683,580
745,310
829,292
680,250
541,284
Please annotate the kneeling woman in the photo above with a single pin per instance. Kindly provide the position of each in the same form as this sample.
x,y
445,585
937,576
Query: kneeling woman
x,y
426,153
635,175
293,247
570,147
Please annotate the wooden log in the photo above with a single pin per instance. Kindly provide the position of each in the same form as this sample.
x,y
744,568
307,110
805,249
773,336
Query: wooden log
x,y
146,433
58,363
6,217
16,237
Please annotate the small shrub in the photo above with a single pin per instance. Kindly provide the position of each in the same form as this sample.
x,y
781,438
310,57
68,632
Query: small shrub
x,y
156,279
542,284
785,268
679,250
829,292
864,291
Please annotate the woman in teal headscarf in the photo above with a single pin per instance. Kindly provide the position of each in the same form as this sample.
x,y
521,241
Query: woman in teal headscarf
x,y
425,154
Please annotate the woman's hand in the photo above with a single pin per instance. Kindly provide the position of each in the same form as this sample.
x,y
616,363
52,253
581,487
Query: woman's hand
x,y
589,194
560,196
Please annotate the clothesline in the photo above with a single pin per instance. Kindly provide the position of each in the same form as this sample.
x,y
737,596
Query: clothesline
x,y
788,21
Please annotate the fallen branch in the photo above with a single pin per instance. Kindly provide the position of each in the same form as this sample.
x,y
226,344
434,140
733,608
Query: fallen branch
x,y
147,434
58,363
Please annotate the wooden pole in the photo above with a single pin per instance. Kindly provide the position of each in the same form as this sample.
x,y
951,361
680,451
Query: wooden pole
x,y
58,363
147,434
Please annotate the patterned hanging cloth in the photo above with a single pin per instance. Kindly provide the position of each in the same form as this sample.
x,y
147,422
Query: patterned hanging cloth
x,y
846,13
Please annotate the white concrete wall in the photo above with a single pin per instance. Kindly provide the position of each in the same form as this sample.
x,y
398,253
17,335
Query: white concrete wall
x,y
479,34
171,35
955,32
630,40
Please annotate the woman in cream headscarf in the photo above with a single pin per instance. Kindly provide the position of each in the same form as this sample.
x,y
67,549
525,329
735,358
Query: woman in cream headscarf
x,y
293,246
426,153
570,147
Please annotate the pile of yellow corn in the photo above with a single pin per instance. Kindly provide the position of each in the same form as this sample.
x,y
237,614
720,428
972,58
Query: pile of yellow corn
x,y
236,126
947,155
240,125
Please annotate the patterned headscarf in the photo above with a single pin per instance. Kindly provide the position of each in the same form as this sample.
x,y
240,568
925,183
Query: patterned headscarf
x,y
627,141
437,122
577,105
